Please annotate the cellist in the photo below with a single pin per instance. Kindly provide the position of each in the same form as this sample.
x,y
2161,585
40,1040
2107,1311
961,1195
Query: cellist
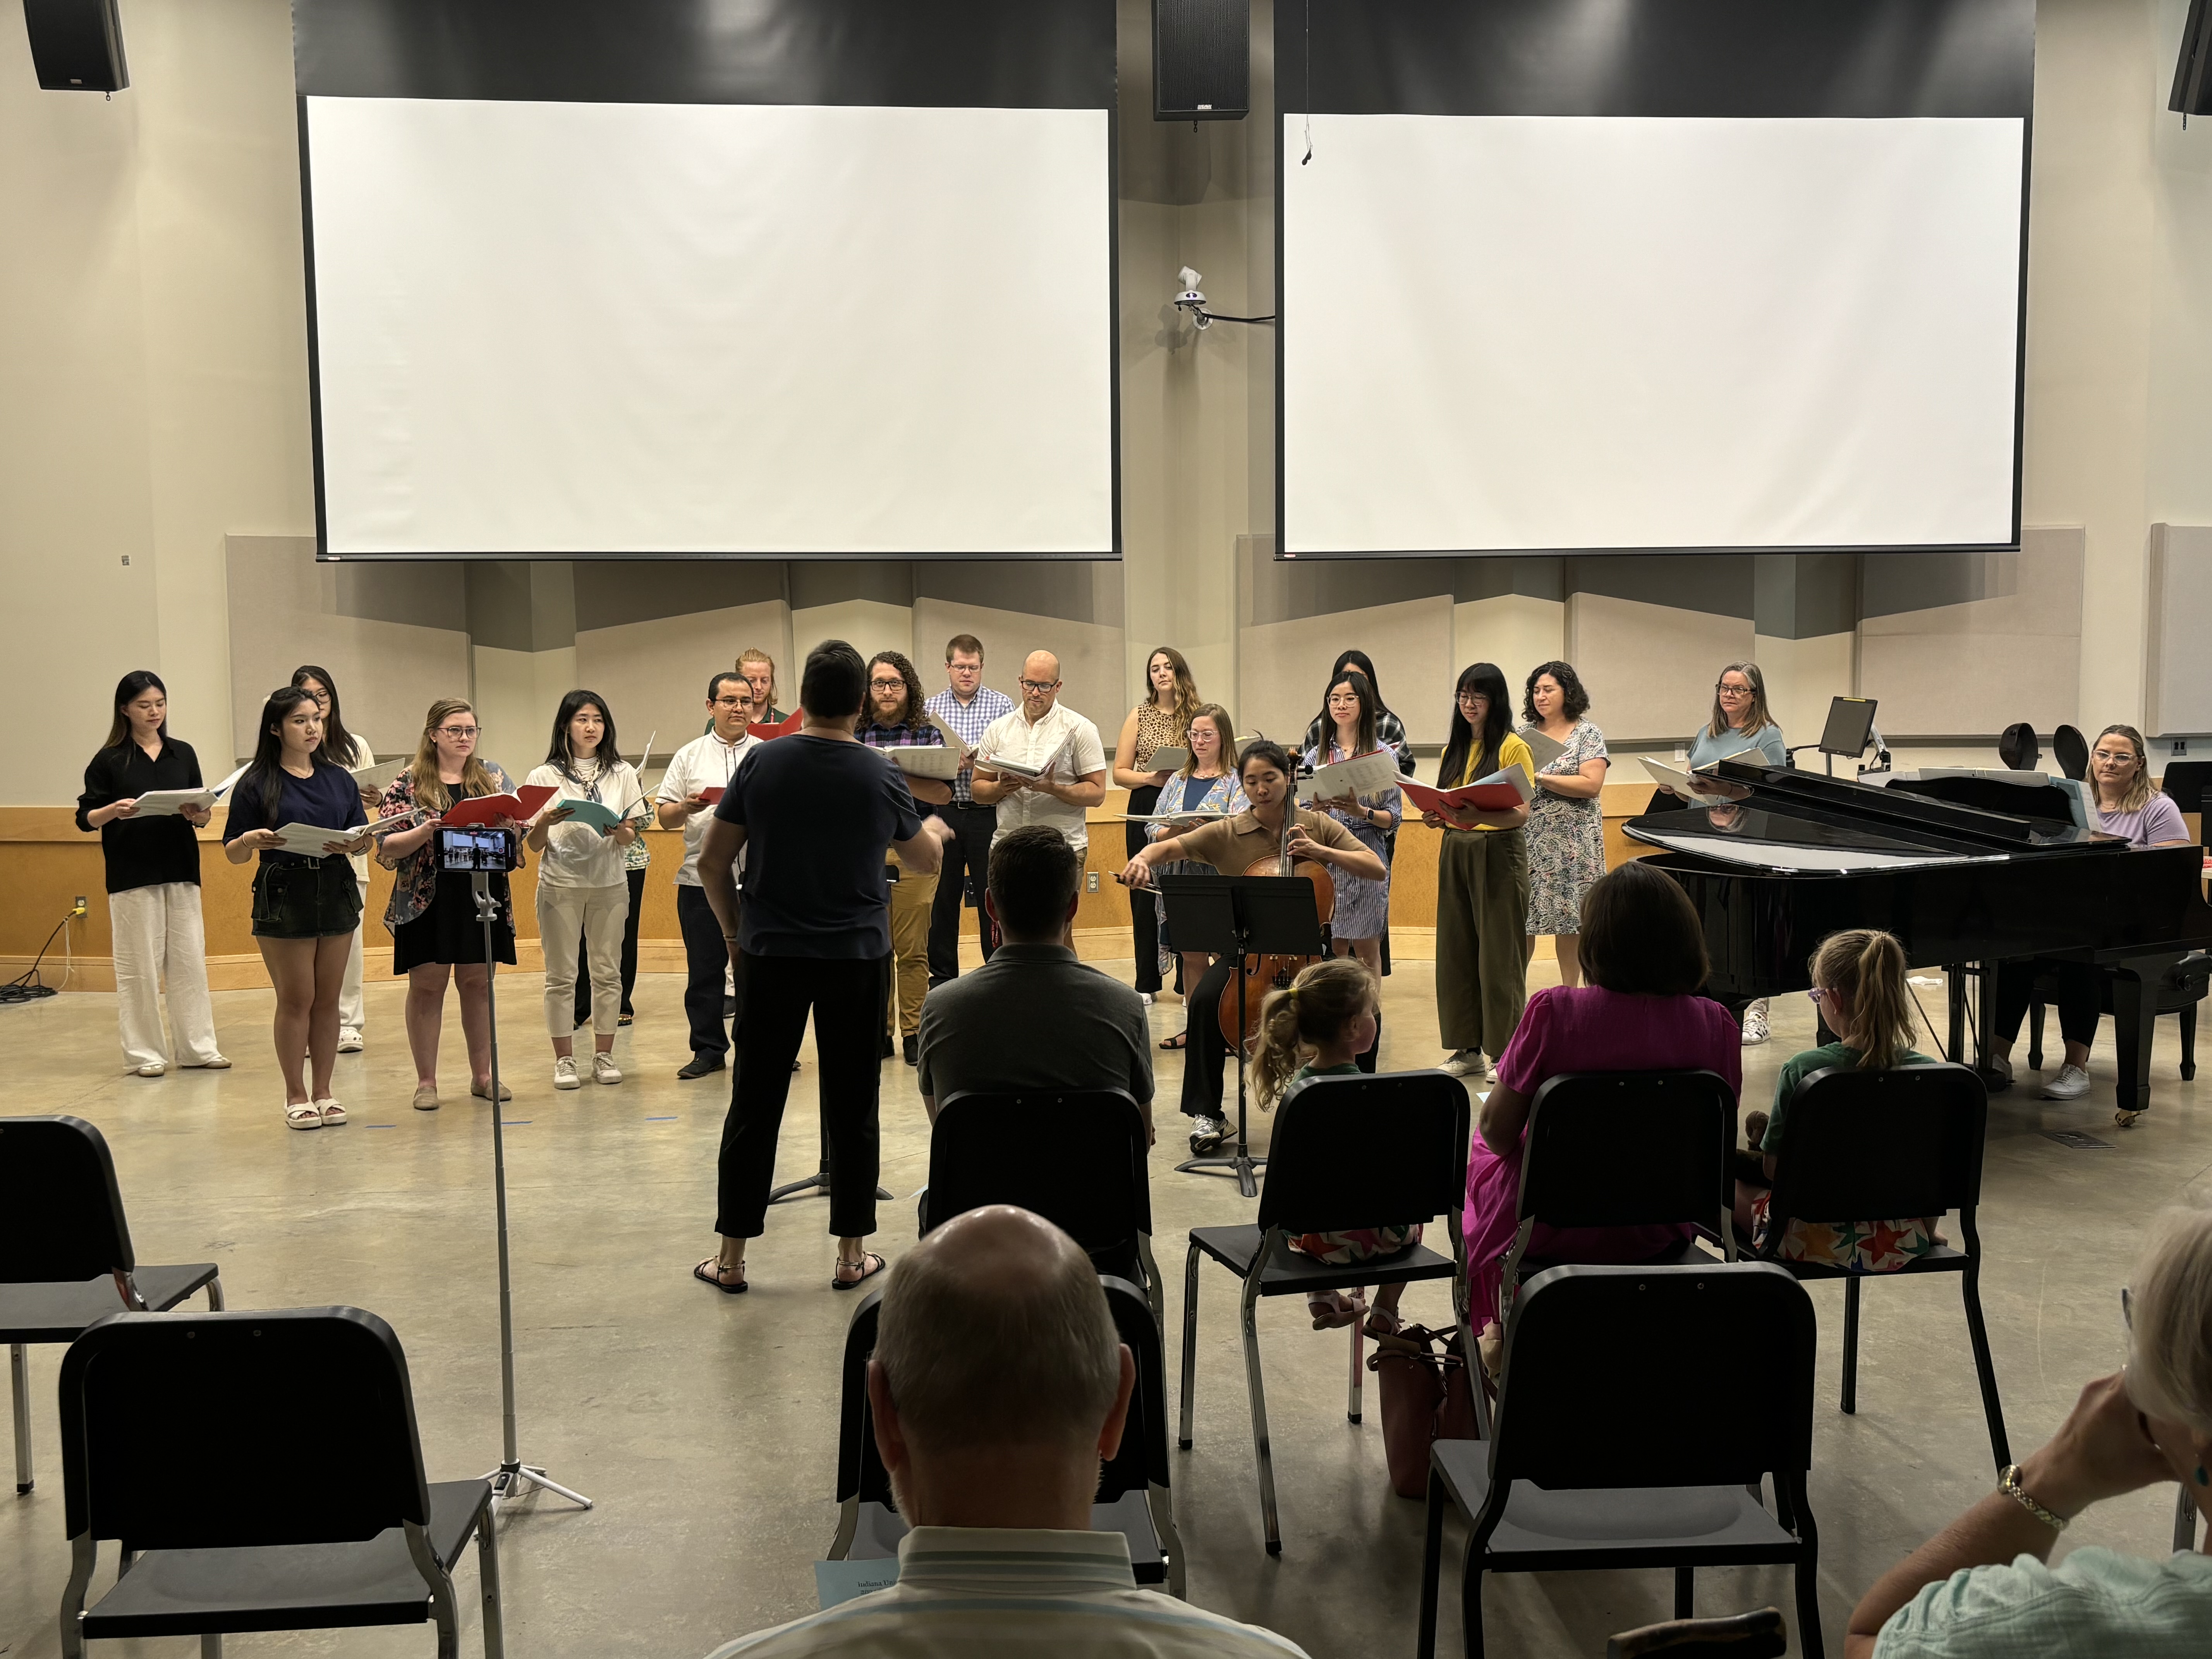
x,y
1270,838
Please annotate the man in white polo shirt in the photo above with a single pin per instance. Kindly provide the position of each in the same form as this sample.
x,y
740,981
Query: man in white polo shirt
x,y
705,764
1038,731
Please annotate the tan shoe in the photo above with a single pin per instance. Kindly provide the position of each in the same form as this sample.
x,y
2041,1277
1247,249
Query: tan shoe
x,y
484,1092
426,1098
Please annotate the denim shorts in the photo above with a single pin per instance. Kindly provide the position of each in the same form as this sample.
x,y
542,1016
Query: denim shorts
x,y
306,900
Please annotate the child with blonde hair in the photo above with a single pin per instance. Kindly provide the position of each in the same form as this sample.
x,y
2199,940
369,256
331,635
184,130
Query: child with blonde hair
x,y
1319,1027
1858,982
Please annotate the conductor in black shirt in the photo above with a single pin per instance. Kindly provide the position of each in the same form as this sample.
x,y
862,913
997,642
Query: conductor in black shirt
x,y
815,812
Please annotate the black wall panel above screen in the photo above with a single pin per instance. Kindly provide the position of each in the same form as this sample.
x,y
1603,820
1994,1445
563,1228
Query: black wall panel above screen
x,y
1650,276
812,279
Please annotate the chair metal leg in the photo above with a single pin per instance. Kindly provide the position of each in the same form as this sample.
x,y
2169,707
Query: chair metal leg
x,y
1161,1502
19,1386
211,1644
2184,1521
2035,1034
494,1625
2189,1042
1262,1452
215,1294
1352,1408
1190,1342
84,1556
1154,1294
1807,1573
1470,1602
1850,1344
1432,1556
1685,1592
1984,1369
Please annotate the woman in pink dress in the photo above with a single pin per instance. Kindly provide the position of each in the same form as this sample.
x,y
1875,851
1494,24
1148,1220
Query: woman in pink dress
x,y
1643,955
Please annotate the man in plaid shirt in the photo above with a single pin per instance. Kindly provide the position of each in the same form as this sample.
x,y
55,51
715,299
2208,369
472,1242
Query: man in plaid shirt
x,y
969,707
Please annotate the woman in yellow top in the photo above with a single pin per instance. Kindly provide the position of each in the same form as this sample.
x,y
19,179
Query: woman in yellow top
x,y
1482,882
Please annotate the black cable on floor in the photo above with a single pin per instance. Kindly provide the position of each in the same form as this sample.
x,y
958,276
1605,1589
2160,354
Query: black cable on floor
x,y
27,987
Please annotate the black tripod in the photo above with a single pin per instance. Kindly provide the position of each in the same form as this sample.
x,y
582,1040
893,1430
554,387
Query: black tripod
x,y
1239,917
512,1476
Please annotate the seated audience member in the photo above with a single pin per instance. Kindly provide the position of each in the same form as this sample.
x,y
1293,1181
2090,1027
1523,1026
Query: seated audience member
x,y
1329,1013
1982,1587
1858,980
1643,955
997,1388
1033,1016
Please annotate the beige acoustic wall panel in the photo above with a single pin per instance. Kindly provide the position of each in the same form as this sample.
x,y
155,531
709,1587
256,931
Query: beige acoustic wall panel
x,y
1974,667
1649,669
1802,678
867,625
1091,655
2177,699
286,610
1517,631
655,672
1282,667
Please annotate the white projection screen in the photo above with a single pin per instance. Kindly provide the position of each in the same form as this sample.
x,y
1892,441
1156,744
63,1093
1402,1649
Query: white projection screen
x,y
648,317
1524,317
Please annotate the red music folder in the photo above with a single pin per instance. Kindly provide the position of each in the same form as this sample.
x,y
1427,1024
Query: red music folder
x,y
782,728
1484,797
522,806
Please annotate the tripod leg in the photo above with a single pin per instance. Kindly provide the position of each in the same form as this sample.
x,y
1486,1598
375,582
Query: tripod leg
x,y
538,1477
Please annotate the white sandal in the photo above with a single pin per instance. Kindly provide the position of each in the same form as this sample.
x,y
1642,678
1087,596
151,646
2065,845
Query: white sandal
x,y
332,1112
303,1115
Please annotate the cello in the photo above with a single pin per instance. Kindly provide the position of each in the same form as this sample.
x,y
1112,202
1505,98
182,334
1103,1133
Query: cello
x,y
1238,1012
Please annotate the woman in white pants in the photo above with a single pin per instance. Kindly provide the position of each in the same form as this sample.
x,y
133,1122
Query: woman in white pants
x,y
350,751
583,891
152,860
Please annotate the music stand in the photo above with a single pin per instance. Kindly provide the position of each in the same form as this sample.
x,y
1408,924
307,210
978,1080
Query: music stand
x,y
1238,917
1850,726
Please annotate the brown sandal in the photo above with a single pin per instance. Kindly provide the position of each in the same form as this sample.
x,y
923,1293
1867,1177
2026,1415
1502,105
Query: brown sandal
x,y
710,1272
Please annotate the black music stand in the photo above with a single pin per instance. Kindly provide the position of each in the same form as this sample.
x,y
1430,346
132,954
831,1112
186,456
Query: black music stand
x,y
1238,917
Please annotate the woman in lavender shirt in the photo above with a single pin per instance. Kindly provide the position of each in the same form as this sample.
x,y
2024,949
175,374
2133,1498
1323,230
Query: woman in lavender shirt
x,y
2119,776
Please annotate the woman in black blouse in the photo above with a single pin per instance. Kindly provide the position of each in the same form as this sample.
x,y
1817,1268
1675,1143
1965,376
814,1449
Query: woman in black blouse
x,y
153,861
305,904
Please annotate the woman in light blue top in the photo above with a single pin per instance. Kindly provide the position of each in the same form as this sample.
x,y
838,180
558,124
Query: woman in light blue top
x,y
1208,783
1981,1588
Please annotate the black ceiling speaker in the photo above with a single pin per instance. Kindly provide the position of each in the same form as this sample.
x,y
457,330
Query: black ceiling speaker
x,y
1202,60
77,45
2192,76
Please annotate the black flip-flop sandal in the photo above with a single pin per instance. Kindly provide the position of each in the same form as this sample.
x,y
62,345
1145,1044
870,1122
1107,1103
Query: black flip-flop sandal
x,y
870,1264
709,1272
1180,1040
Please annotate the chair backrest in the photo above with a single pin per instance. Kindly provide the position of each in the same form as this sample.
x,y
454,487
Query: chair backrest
x,y
214,1430
1074,1157
1628,1149
2017,749
2184,783
61,1213
1604,1384
1861,1145
2072,751
1385,1151
2026,801
1142,1460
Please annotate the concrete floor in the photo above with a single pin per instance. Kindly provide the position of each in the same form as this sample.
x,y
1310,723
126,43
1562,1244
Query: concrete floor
x,y
704,1426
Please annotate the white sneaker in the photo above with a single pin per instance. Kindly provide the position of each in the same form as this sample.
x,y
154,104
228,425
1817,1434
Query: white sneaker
x,y
349,1041
1145,997
1208,1133
603,1069
564,1072
1756,1030
2071,1084
1466,1062
154,1069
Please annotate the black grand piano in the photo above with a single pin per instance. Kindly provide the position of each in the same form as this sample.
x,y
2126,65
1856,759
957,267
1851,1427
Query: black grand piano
x,y
1795,855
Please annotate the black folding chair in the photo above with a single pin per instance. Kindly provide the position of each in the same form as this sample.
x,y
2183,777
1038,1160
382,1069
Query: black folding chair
x,y
1078,1160
261,1471
1385,1151
1133,1496
65,1256
1626,1148
1860,1145
1609,1455
1760,1635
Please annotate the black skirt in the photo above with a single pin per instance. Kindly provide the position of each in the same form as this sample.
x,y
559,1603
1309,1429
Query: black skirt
x,y
448,932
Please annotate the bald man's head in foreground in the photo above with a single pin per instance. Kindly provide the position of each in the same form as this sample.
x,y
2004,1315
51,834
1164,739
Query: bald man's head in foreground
x,y
998,1382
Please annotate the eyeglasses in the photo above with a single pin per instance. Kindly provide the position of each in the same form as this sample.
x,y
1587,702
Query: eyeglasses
x,y
1731,691
457,733
733,702
1473,696
1816,994
1038,686
965,667
886,685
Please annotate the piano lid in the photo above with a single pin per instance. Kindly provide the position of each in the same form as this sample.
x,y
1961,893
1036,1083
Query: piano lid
x,y
1805,824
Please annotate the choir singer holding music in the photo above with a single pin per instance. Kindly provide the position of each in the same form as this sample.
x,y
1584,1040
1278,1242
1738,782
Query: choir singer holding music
x,y
1253,842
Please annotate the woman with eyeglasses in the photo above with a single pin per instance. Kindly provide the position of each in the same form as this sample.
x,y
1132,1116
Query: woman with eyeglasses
x,y
152,861
1482,881
1161,721
306,906
1740,722
350,749
1982,1587
2126,806
436,933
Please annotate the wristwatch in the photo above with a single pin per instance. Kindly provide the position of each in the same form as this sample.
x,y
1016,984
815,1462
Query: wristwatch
x,y
2008,1483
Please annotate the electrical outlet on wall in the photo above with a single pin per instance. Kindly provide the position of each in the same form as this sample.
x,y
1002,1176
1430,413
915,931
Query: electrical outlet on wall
x,y
1090,881
2181,745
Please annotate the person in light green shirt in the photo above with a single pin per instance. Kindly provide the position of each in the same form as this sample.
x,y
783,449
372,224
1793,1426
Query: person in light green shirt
x,y
1981,1588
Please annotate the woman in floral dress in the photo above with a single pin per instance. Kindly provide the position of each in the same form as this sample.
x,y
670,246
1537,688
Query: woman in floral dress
x,y
1566,832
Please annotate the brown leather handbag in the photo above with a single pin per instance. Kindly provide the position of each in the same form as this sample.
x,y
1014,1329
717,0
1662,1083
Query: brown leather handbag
x,y
1421,1377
